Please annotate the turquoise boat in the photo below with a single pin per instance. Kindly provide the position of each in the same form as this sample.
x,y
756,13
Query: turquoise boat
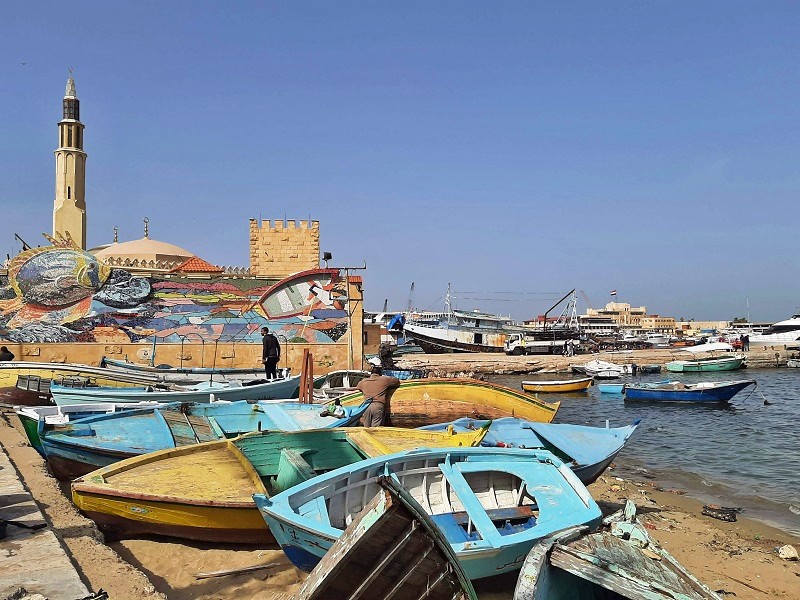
x,y
492,504
610,388
202,392
77,448
706,365
587,450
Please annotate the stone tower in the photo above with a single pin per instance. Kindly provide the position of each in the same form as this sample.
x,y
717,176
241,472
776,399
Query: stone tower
x,y
69,209
278,249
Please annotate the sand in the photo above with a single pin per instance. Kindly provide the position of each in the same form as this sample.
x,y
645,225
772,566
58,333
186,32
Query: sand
x,y
737,558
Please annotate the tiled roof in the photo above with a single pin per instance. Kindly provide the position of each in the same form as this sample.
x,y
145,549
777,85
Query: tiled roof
x,y
356,279
195,264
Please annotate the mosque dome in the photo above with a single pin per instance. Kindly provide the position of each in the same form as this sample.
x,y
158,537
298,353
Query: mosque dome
x,y
144,253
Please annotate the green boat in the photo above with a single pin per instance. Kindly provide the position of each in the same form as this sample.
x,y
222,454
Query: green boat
x,y
706,365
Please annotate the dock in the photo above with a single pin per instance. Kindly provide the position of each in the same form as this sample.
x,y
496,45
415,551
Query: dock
x,y
33,559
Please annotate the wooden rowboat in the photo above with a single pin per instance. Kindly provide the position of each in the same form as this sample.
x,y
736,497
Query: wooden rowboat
x,y
205,492
566,385
419,402
391,549
618,561
675,391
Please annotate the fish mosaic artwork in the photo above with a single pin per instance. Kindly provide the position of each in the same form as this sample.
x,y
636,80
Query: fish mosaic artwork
x,y
61,293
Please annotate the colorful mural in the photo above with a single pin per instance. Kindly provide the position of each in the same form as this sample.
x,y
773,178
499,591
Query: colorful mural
x,y
61,293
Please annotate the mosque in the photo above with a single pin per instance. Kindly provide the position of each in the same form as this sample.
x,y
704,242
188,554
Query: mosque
x,y
144,298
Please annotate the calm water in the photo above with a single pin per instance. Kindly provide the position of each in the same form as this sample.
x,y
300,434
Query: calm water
x,y
745,454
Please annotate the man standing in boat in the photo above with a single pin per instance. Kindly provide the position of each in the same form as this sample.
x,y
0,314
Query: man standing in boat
x,y
271,353
378,390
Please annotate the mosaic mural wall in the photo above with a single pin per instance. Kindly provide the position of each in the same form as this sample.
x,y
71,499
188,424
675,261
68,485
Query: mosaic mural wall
x,y
61,293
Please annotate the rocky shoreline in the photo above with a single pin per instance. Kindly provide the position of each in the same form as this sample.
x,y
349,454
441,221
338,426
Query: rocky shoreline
x,y
498,363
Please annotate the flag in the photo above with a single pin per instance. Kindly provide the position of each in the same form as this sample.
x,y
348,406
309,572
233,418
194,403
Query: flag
x,y
613,292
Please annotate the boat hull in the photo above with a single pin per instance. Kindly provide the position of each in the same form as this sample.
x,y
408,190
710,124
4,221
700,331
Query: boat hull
x,y
702,395
610,388
680,366
433,344
576,385
420,402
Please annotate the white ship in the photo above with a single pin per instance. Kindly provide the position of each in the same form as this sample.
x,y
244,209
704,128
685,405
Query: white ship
x,y
782,332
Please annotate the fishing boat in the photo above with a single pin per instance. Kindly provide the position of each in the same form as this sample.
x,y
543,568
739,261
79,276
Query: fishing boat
x,y
709,358
392,549
610,388
565,385
649,369
403,374
620,560
793,363
201,392
602,369
337,383
166,371
587,450
492,504
28,383
30,416
204,492
419,402
82,446
675,391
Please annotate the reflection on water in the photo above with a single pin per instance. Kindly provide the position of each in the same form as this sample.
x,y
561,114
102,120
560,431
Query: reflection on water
x,y
744,453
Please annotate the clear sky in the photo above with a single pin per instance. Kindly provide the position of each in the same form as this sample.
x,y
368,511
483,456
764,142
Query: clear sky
x,y
519,147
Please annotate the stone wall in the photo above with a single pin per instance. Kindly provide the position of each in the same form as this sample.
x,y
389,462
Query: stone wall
x,y
278,249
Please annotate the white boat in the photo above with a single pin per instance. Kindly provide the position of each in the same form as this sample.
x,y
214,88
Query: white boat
x,y
782,332
603,369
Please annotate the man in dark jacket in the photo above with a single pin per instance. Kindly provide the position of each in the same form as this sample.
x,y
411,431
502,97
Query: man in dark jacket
x,y
271,353
5,354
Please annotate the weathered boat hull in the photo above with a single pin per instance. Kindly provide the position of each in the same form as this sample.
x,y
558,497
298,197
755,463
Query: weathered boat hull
x,y
420,402
702,395
575,385
281,389
391,547
28,384
619,562
440,345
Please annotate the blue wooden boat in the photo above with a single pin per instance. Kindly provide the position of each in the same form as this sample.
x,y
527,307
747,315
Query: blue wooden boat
x,y
610,388
620,560
675,391
492,504
587,450
202,392
81,446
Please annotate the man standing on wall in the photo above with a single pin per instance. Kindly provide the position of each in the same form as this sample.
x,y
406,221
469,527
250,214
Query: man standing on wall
x,y
271,353
378,390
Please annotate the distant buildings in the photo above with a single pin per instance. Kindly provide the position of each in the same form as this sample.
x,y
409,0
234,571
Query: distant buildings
x,y
621,317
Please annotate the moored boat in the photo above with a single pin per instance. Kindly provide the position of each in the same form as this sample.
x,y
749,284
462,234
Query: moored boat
x,y
565,385
619,561
391,547
202,392
708,358
419,402
610,388
204,492
676,391
492,504
82,446
587,450
602,369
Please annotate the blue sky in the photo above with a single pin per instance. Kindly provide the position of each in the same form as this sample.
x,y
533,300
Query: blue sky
x,y
517,147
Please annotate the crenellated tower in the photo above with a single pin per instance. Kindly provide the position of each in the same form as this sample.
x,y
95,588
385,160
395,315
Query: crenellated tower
x,y
69,209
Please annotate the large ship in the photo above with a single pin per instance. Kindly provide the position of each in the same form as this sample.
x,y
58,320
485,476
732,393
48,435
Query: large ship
x,y
782,332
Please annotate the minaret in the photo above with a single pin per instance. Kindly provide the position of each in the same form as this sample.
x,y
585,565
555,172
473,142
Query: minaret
x,y
69,209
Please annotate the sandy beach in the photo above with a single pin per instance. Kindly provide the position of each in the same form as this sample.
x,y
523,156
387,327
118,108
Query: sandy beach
x,y
736,558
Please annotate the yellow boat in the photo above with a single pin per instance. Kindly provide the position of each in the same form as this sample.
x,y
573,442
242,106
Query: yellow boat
x,y
28,383
205,491
568,385
419,402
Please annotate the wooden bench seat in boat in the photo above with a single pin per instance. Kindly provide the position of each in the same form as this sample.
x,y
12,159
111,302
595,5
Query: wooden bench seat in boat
x,y
292,469
453,524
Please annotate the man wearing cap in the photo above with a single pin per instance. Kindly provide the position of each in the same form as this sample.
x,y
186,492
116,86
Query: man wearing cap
x,y
378,390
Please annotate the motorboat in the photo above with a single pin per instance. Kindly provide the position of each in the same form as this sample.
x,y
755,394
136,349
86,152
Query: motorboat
x,y
782,332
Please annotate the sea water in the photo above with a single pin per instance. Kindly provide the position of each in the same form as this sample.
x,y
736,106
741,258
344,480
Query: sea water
x,y
744,453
